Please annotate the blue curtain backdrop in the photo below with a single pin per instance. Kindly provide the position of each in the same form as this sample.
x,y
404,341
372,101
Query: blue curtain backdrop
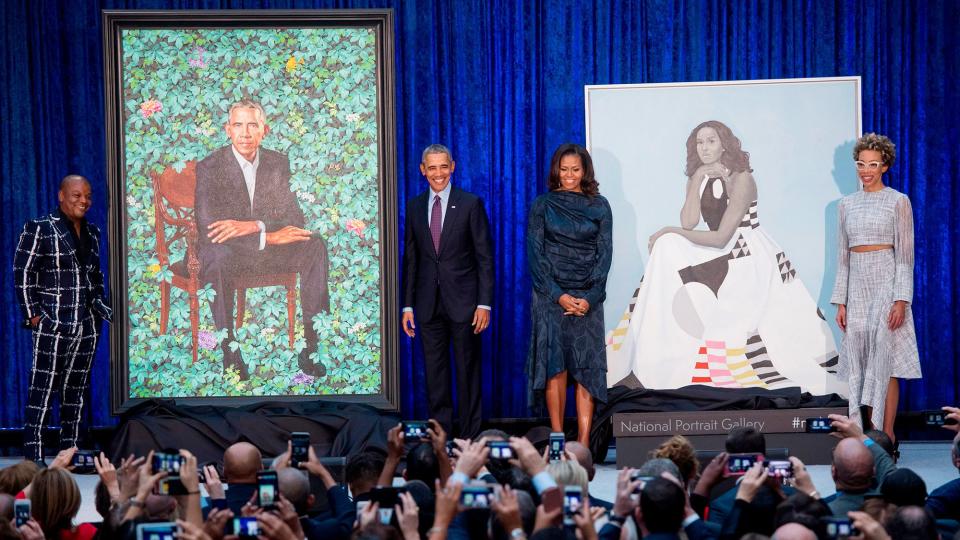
x,y
501,83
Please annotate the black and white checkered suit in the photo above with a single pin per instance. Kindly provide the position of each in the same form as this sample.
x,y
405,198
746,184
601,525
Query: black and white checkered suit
x,y
67,296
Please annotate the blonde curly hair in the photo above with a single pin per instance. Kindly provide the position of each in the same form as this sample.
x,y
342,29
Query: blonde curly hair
x,y
679,450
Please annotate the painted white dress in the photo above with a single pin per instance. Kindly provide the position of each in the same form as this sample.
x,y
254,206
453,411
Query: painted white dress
x,y
737,316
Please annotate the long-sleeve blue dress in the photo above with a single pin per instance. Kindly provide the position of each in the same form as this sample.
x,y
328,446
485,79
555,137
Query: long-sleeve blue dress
x,y
569,247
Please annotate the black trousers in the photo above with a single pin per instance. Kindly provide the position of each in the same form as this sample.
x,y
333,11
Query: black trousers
x,y
61,364
437,332
222,263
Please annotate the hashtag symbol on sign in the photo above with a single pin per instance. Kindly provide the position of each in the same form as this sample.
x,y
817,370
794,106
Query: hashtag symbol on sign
x,y
796,422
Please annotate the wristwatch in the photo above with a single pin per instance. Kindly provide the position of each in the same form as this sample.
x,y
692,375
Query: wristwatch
x,y
518,534
619,520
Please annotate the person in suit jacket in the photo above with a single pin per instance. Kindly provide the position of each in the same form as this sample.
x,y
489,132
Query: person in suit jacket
x,y
60,289
448,284
250,223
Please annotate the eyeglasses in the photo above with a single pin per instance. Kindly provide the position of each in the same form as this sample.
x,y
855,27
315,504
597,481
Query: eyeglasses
x,y
868,165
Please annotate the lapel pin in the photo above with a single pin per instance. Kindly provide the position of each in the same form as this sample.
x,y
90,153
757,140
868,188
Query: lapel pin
x,y
453,206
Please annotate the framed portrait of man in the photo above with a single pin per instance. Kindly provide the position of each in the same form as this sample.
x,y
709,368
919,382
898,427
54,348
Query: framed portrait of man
x,y
252,173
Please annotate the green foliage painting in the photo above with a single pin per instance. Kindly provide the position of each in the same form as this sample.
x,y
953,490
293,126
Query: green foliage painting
x,y
319,89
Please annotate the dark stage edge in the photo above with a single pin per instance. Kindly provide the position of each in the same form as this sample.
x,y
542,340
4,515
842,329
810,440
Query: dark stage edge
x,y
623,399
336,429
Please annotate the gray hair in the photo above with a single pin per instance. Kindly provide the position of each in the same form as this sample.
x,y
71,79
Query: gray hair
x,y
569,473
295,486
248,104
877,143
435,149
656,466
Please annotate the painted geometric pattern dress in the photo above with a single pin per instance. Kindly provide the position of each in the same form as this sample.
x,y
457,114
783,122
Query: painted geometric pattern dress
x,y
736,317
868,284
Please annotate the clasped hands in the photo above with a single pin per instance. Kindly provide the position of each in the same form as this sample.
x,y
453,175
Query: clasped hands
x,y
898,313
227,229
573,306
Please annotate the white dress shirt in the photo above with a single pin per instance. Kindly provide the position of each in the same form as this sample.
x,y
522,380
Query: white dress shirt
x,y
250,179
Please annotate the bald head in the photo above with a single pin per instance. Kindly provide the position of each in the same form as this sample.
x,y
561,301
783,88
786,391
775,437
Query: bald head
x,y
295,486
853,467
793,531
584,457
241,461
71,178
75,197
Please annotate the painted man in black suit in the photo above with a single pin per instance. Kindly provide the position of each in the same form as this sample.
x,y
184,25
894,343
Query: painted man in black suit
x,y
448,284
60,289
251,224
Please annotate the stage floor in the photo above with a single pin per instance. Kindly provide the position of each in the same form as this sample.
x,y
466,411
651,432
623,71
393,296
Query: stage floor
x,y
930,460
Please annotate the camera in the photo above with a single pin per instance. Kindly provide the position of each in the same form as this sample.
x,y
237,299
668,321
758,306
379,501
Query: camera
x,y
268,492
415,430
572,502
83,462
634,476
557,444
500,450
21,512
839,527
739,464
937,418
781,469
168,462
157,531
246,528
818,424
299,448
476,496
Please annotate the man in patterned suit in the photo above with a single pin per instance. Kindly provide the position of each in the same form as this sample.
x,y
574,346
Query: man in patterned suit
x,y
60,290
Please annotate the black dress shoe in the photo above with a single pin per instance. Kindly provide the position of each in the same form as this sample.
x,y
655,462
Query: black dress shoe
x,y
309,368
235,359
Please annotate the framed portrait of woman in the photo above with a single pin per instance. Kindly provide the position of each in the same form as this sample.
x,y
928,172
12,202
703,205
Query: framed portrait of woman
x,y
724,198
252,174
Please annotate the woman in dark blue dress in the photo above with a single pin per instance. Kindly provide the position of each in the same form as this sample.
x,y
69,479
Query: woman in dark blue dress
x,y
569,246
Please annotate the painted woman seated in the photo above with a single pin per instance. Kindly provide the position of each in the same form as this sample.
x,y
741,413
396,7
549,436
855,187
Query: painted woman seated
x,y
721,306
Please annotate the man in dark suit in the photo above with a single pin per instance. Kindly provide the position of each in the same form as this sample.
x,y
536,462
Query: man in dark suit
x,y
251,224
448,287
60,289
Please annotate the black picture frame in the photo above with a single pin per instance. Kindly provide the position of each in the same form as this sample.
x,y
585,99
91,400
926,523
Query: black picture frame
x,y
382,25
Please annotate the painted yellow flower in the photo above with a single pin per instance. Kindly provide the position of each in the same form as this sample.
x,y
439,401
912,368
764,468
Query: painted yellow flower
x,y
292,64
153,269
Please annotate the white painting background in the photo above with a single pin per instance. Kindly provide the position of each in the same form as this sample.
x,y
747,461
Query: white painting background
x,y
799,133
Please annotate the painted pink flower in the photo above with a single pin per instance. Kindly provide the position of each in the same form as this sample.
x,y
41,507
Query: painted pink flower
x,y
198,62
207,340
356,226
149,107
303,378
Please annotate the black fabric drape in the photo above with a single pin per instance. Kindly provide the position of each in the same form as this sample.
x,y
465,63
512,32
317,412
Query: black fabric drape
x,y
335,429
501,83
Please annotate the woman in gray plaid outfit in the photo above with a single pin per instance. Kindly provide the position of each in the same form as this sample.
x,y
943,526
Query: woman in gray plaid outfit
x,y
874,287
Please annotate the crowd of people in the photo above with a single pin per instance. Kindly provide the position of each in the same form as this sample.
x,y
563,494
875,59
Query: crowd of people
x,y
431,489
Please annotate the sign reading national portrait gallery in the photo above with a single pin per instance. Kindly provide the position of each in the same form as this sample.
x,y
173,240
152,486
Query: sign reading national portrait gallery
x,y
715,422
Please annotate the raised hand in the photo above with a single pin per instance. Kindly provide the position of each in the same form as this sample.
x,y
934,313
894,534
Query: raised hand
x,y
108,475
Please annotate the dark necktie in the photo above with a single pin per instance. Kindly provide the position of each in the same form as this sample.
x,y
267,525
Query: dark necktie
x,y
436,222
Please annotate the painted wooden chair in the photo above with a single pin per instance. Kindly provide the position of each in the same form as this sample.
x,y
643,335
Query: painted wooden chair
x,y
173,201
